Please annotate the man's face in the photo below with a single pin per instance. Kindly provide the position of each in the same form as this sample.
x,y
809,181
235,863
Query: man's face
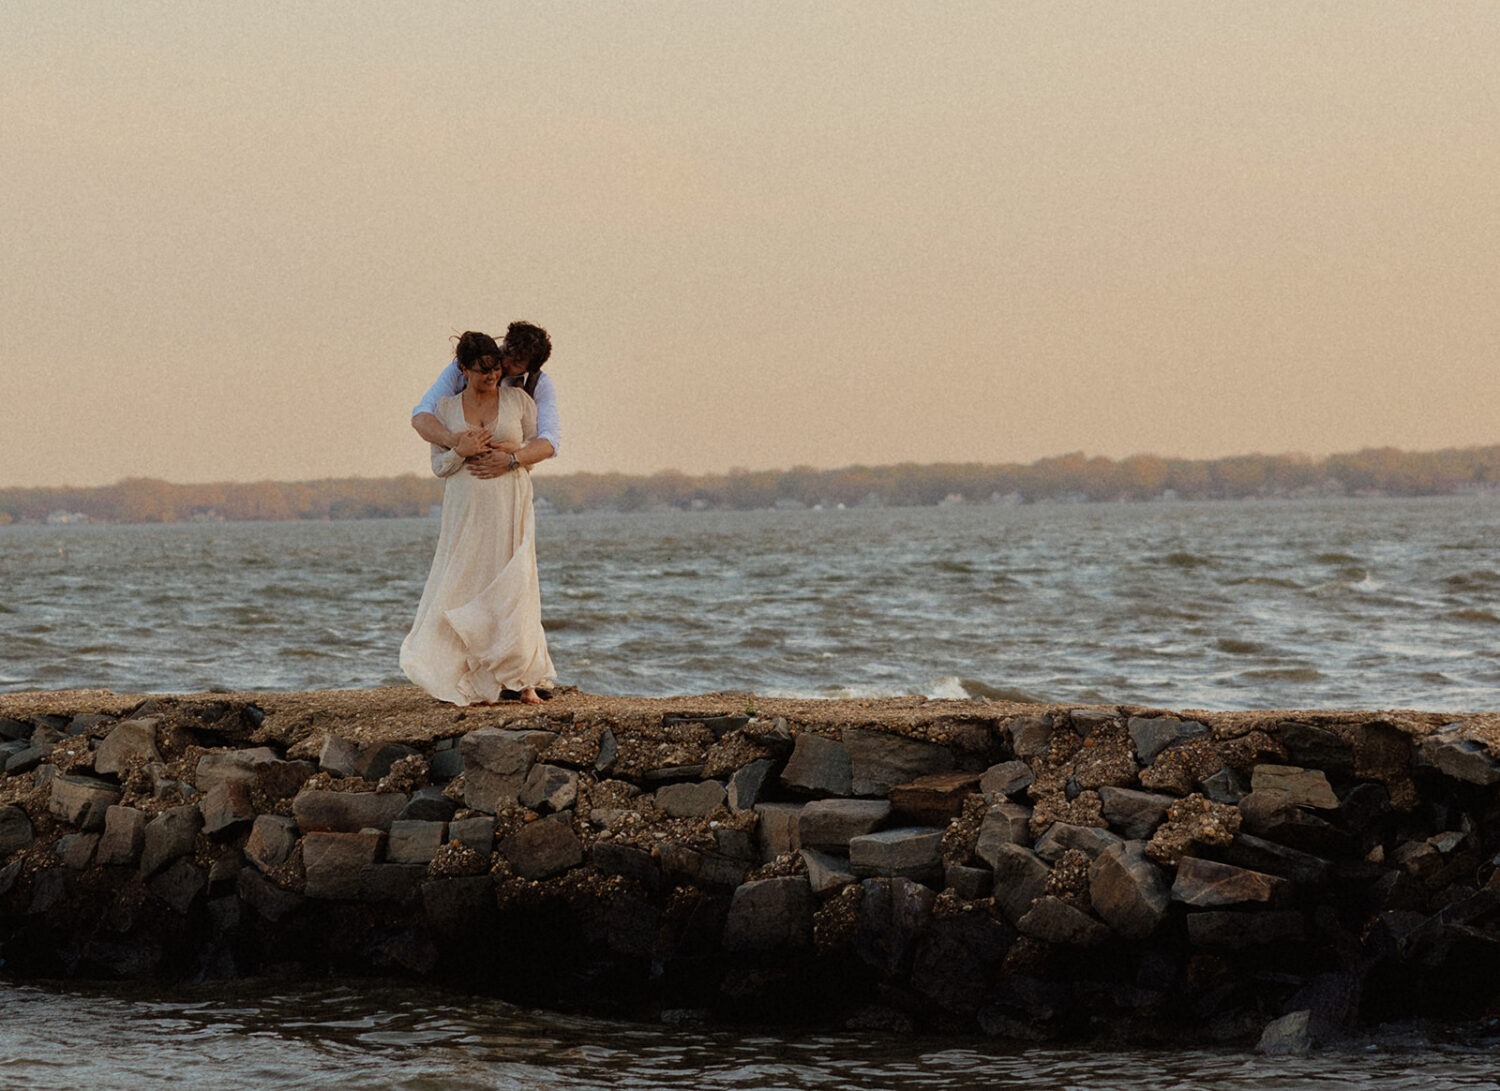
x,y
511,364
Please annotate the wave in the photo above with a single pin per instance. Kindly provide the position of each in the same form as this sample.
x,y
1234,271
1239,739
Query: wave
x,y
1183,559
1337,558
955,688
1486,616
1282,674
1240,647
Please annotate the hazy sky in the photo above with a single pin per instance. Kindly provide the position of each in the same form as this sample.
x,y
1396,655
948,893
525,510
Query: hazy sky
x,y
235,238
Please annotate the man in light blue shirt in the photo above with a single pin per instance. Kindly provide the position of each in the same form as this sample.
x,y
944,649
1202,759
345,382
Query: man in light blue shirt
x,y
522,354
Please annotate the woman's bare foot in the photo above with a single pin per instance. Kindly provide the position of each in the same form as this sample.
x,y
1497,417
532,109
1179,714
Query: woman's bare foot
x,y
529,696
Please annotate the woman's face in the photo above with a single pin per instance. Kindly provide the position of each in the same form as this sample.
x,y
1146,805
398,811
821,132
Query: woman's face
x,y
484,376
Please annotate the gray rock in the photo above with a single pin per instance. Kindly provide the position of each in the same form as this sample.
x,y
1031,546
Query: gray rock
x,y
1086,720
609,858
445,764
691,800
701,868
1053,920
76,850
169,835
912,852
338,756
737,844
1020,879
827,873
271,841
1128,891
1275,816
748,784
830,823
346,812
264,896
770,915
461,905
893,914
609,753
477,832
1153,734
1003,824
375,761
24,761
543,849
130,744
492,792
334,862
1229,930
1317,747
506,753
81,801
414,842
1302,787
428,805
879,760
221,765
9,873
818,767
1134,815
778,828
550,788
969,883
1289,1036
179,884
1205,883
1062,836
1030,735
227,807
391,882
123,839
49,890
1467,760
1226,786
12,730
1009,778
16,832
1258,854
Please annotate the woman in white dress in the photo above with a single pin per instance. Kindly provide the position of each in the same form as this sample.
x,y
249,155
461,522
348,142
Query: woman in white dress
x,y
479,625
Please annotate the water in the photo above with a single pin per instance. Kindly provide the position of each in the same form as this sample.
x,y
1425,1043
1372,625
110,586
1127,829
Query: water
x,y
371,1037
1351,603
1367,604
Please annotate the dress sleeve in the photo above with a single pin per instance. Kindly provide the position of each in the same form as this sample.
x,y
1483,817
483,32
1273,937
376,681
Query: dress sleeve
x,y
445,462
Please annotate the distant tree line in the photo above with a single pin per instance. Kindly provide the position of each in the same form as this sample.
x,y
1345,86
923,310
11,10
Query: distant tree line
x,y
1383,471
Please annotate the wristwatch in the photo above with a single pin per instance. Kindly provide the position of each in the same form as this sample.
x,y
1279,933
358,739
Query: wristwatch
x,y
515,463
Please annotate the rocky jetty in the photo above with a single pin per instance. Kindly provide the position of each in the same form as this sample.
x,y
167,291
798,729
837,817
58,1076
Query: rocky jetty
x,y
1030,872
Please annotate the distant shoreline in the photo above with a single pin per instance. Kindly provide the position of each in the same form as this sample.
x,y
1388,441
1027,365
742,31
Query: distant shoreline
x,y
1066,479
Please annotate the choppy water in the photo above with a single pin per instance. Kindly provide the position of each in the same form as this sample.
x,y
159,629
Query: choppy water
x,y
370,1037
1352,603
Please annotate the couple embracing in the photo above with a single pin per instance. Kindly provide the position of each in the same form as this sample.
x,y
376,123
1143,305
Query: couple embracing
x,y
490,416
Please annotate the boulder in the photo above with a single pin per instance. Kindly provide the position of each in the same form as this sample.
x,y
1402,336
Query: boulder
x,y
1128,891
1209,883
1053,920
818,767
320,811
1232,930
777,829
338,756
1063,836
1317,747
1085,721
1008,779
1030,735
770,915
879,760
827,873
414,842
831,823
506,753
227,807
609,858
477,832
1302,787
265,897
1153,734
912,852
748,784
170,834
463,905
934,800
543,849
1258,854
375,762
1003,824
550,788
691,800
242,765
123,839
129,745
179,884
334,861
76,850
390,882
16,832
893,913
491,792
1133,814
1466,760
1020,879
1289,1036
428,805
969,883
81,801
271,841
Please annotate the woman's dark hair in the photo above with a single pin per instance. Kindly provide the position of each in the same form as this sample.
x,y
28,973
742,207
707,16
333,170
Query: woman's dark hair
x,y
529,343
472,347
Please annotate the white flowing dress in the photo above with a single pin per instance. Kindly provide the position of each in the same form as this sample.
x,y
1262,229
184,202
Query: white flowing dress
x,y
479,624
